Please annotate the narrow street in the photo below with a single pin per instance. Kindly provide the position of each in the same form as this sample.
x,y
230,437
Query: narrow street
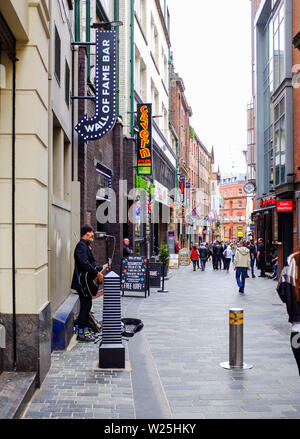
x,y
173,365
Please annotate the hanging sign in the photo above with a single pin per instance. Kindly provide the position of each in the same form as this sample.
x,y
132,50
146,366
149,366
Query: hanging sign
x,y
267,202
284,205
92,128
144,139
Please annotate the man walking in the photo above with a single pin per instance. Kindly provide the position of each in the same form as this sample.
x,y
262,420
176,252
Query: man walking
x,y
241,265
85,263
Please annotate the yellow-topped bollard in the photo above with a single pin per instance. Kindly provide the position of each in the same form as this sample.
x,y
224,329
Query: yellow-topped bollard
x,y
236,343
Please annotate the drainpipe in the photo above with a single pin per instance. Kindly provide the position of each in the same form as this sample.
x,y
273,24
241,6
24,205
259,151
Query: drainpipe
x,y
13,220
77,20
116,18
132,68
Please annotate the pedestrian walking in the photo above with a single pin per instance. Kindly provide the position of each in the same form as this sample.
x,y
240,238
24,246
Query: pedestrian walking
x,y
217,253
177,247
223,247
261,257
288,289
241,265
203,255
194,257
227,257
253,253
198,261
85,263
233,248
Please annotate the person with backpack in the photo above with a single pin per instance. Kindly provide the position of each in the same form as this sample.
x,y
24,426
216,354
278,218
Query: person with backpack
x,y
203,255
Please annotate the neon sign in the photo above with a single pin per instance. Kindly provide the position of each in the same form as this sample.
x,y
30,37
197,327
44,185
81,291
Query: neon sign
x,y
144,139
92,128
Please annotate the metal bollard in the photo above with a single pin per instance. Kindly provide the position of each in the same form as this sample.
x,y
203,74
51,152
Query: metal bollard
x,y
236,342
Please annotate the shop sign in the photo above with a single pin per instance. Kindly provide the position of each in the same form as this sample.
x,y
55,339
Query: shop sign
x,y
267,202
144,139
161,193
184,256
284,205
92,128
174,261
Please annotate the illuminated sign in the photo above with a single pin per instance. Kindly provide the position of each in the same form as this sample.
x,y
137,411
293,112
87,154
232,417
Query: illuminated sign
x,y
144,139
267,202
92,128
284,205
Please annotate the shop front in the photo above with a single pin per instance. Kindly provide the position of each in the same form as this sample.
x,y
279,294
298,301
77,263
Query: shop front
x,y
265,220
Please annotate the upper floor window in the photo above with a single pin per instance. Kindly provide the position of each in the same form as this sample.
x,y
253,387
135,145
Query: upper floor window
x,y
57,49
278,46
279,142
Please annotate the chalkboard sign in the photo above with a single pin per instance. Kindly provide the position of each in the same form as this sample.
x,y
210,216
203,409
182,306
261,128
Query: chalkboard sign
x,y
154,274
135,274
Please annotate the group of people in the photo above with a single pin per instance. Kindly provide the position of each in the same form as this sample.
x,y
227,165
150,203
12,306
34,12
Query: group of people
x,y
243,254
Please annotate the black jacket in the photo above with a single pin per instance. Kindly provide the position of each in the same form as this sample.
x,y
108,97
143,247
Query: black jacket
x,y
286,290
203,252
84,262
126,250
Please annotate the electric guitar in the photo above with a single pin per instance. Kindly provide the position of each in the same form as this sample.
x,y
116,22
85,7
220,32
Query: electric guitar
x,y
90,284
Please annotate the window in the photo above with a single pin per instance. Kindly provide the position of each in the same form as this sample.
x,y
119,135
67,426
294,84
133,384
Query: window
x,y
67,84
279,142
240,191
240,204
61,165
279,41
57,49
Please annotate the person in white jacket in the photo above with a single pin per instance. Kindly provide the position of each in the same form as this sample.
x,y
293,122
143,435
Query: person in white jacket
x,y
241,265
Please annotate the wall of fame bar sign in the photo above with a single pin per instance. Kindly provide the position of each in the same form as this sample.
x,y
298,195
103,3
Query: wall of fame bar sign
x,y
144,139
92,128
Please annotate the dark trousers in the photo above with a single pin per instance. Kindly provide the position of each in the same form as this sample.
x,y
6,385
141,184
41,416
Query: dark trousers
x,y
227,263
217,262
295,345
203,262
85,308
262,267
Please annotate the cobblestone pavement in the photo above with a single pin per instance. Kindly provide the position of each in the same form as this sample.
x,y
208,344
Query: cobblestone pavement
x,y
173,365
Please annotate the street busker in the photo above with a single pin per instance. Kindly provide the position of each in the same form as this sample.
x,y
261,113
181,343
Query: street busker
x,y
203,255
85,263
227,254
194,256
288,289
241,265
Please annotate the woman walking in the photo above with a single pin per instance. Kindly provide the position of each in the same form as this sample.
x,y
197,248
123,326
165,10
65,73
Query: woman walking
x,y
194,256
288,289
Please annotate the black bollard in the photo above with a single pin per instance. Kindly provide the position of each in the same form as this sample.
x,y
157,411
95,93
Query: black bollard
x,y
111,350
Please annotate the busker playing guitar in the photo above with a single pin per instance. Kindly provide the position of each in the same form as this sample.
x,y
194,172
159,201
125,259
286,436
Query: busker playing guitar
x,y
87,278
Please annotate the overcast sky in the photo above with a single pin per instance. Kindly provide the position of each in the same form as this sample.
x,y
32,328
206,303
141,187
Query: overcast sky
x,y
211,45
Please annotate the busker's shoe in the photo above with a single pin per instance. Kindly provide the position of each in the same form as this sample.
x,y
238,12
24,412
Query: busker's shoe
x,y
84,335
253,275
240,290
